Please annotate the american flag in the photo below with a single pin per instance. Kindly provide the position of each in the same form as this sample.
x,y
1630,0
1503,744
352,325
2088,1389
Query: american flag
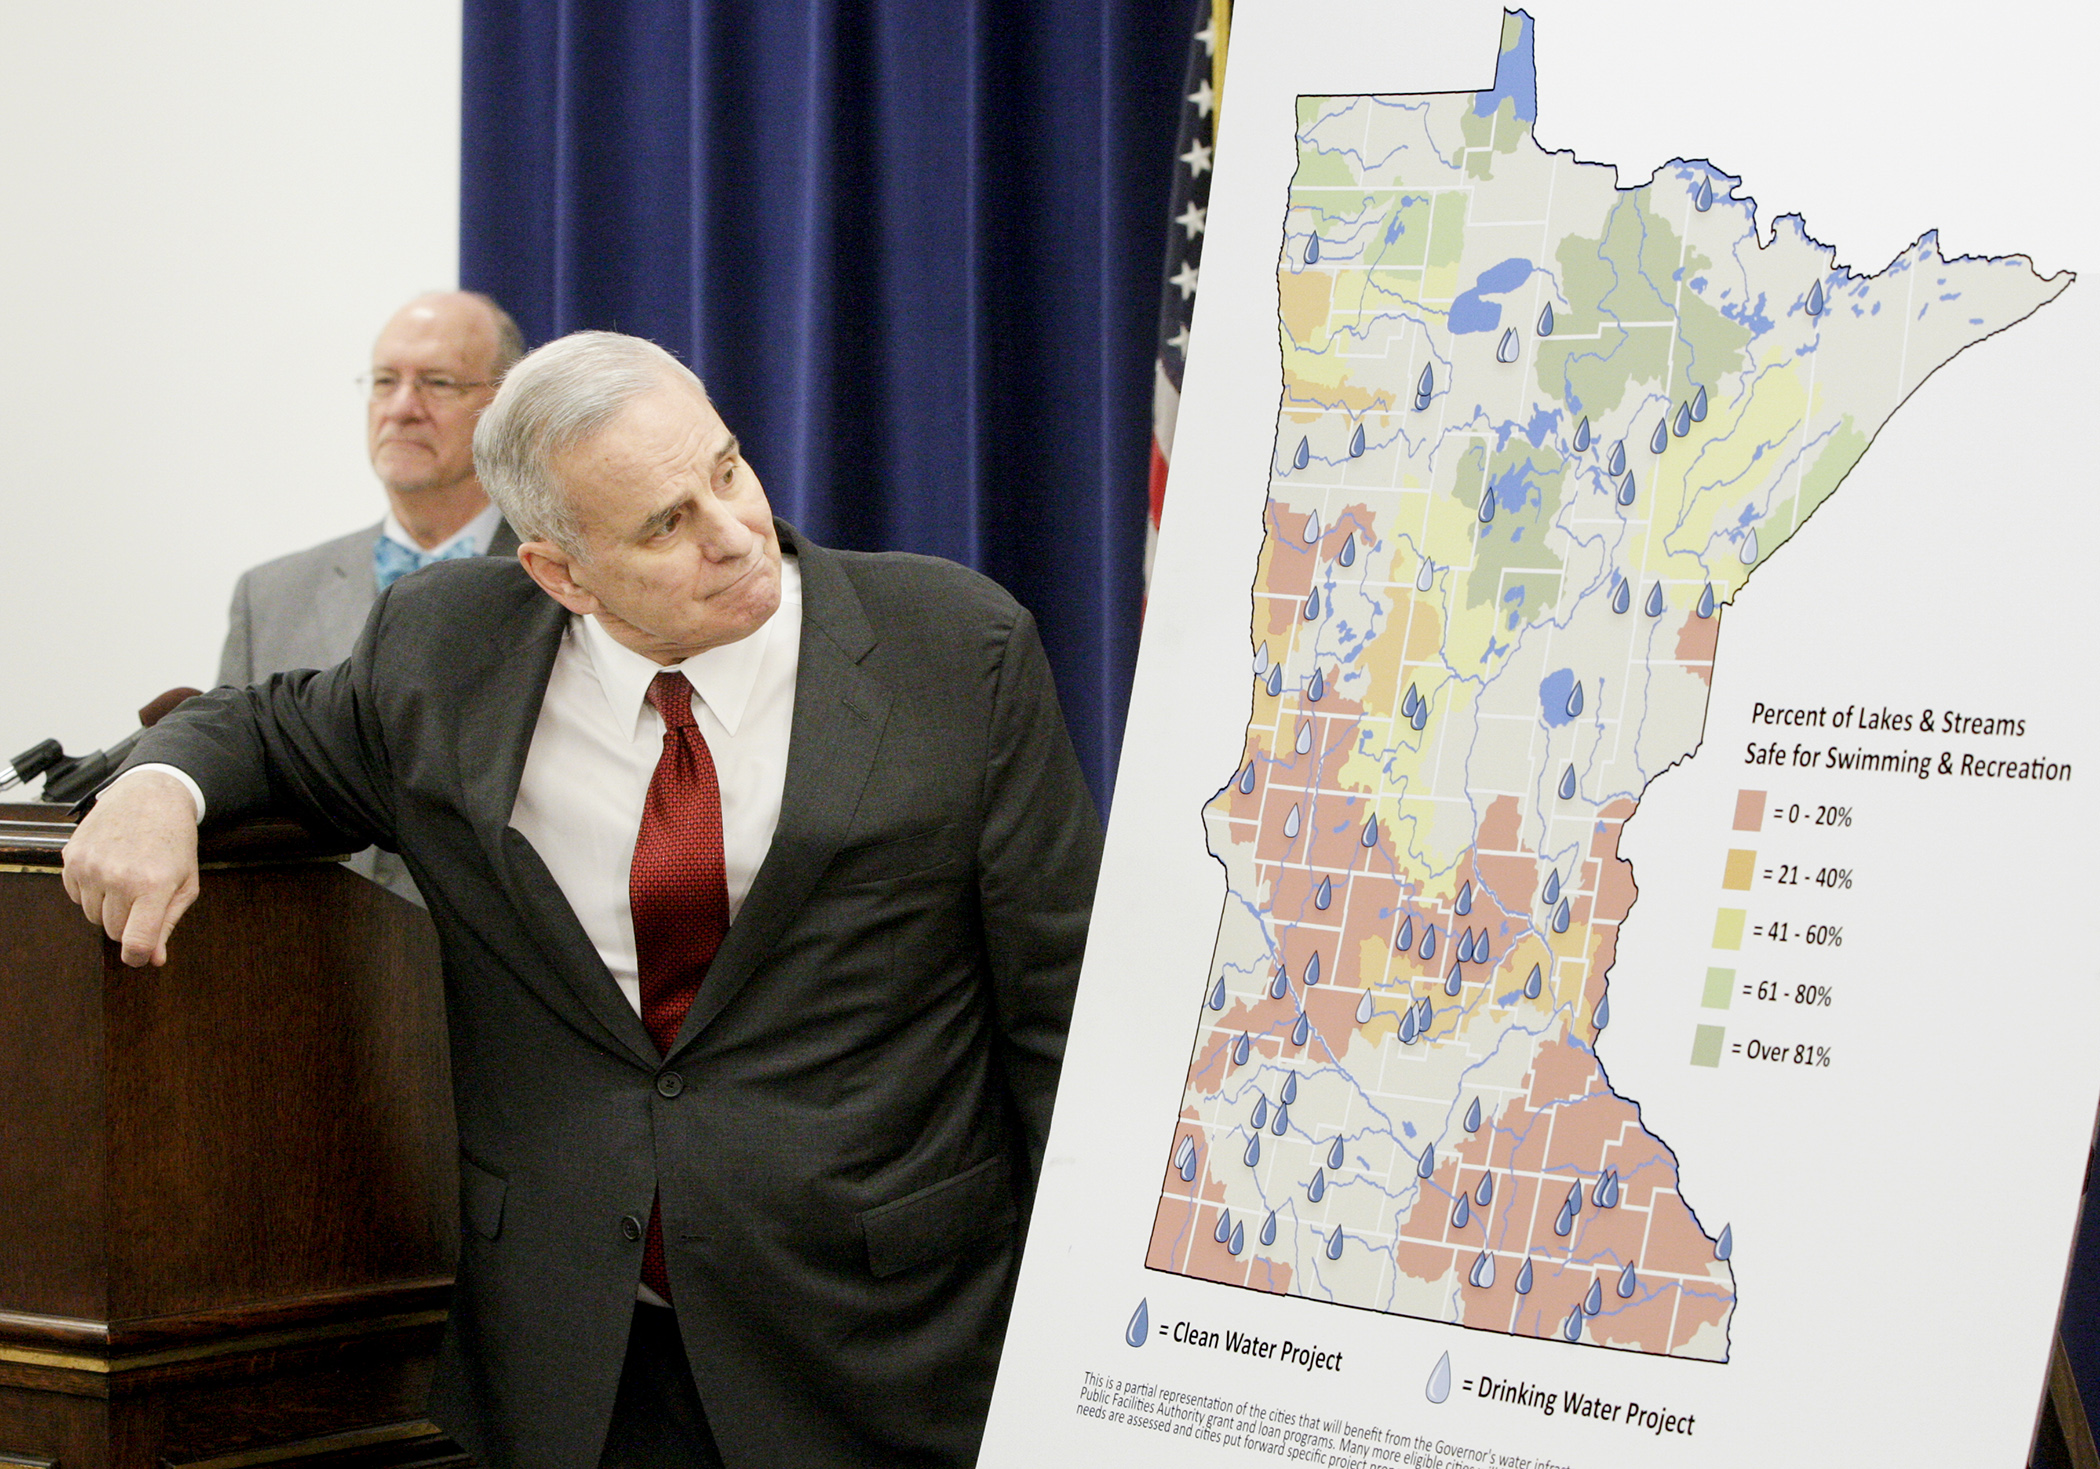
x,y
1190,201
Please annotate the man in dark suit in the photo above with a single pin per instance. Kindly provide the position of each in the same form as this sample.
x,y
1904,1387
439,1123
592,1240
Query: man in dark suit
x,y
435,366
822,1157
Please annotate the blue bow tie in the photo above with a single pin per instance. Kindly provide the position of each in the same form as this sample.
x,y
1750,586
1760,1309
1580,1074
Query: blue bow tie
x,y
391,560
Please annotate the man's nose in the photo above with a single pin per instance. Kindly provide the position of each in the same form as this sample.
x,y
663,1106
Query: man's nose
x,y
722,536
401,401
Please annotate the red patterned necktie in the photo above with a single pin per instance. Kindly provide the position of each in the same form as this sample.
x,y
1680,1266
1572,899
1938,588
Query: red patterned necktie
x,y
678,892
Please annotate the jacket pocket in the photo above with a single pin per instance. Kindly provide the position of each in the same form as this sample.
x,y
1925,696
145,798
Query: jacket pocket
x,y
892,860
939,1220
481,1198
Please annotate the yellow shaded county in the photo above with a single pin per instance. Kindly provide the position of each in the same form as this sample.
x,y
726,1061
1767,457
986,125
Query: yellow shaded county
x,y
1306,297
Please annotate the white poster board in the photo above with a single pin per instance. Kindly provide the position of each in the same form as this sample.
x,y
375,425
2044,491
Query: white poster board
x,y
1403,1122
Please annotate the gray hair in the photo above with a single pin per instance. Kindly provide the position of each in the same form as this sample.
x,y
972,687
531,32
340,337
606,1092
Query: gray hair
x,y
510,342
553,400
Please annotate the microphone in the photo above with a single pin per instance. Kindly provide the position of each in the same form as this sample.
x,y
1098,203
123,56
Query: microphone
x,y
68,778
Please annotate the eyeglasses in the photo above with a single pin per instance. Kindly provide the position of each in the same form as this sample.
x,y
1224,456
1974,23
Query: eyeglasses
x,y
432,387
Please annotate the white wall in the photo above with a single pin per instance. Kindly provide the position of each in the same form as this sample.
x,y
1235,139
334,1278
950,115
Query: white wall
x,y
206,214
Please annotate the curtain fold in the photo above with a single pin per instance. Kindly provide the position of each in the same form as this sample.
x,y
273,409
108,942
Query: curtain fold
x,y
911,246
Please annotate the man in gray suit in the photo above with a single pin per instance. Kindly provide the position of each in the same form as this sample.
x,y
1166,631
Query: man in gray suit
x,y
435,366
674,716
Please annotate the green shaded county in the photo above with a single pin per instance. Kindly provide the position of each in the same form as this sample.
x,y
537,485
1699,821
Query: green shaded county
x,y
1510,553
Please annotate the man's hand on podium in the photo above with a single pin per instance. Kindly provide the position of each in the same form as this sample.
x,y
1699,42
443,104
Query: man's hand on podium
x,y
132,863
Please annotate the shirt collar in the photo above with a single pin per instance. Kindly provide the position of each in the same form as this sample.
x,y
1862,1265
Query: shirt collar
x,y
724,677
480,532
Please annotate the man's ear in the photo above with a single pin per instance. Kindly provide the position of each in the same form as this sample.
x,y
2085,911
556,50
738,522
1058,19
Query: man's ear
x,y
553,568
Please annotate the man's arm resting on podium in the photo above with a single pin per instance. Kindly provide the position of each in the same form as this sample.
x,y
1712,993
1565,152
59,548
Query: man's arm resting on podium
x,y
132,862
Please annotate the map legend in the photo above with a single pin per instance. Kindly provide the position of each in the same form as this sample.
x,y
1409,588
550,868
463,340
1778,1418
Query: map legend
x,y
1720,988
1741,869
1749,810
1707,1041
1728,928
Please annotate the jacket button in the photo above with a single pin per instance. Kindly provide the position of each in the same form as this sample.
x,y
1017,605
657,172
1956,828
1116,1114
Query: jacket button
x,y
630,1226
670,1084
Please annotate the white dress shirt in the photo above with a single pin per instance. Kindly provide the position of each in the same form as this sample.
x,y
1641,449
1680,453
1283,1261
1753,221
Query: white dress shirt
x,y
595,749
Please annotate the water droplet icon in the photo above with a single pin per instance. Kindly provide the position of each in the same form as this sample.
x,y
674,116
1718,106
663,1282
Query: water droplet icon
x,y
1304,736
1363,1009
1187,1166
1312,250
1628,1282
1535,984
1473,1121
1487,505
1582,434
1748,554
1315,690
1317,1189
1426,1164
1253,1154
1464,953
1408,1029
1424,1015
1606,1191
1462,1212
1574,701
1312,968
1655,600
1290,1090
1602,1017
1815,299
1453,981
1725,1245
1247,780
1275,679
1566,1221
1593,1302
1224,1230
1524,1277
1261,1112
1312,527
1704,199
1660,439
1334,1245
1626,490
1302,1030
1268,1229
1139,1331
1334,1154
1464,903
1483,1274
1699,406
1682,423
1241,1049
1428,950
1440,1380
1356,443
1261,660
1616,464
1370,837
1324,894
1217,994
1405,939
1290,823
1281,1122
1560,917
1421,715
1621,596
1506,349
1572,1327
1553,885
1279,986
1424,387
1567,784
1239,1239
1304,455
1706,601
1485,1194
1481,953
1546,321
1312,604
1426,575
1347,555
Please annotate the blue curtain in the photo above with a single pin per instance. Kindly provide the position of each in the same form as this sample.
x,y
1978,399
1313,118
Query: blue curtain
x,y
912,247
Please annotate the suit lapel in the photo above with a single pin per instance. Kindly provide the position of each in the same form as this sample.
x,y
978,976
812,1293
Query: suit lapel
x,y
344,591
497,718
840,711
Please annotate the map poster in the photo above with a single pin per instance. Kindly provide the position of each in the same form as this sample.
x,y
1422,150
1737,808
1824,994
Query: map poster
x,y
1595,961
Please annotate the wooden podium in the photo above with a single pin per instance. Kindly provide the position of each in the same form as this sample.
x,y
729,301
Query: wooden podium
x,y
227,1187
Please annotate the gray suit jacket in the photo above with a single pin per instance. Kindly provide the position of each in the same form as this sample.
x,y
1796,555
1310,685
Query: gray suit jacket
x,y
305,610
846,1131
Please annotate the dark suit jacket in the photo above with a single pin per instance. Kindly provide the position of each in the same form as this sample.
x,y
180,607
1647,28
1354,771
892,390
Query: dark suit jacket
x,y
305,610
846,1132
